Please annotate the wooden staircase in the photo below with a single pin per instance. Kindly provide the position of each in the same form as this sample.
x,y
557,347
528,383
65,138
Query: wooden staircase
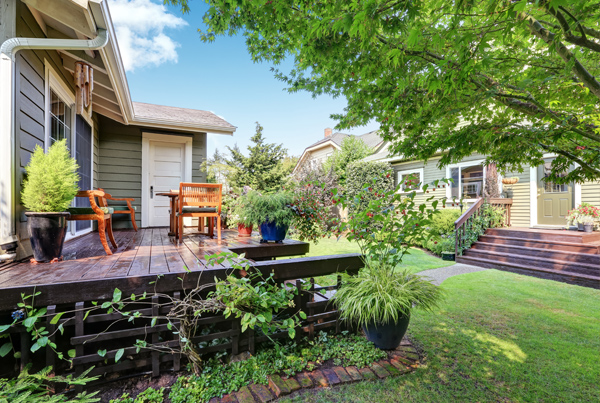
x,y
568,256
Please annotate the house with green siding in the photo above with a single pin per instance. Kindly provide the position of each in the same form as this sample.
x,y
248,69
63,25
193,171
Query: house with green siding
x,y
61,76
536,203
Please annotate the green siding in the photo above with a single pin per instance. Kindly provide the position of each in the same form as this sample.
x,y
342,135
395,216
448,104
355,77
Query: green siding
x,y
120,163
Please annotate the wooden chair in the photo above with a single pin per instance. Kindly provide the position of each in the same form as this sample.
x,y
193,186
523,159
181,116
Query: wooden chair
x,y
199,200
96,212
122,209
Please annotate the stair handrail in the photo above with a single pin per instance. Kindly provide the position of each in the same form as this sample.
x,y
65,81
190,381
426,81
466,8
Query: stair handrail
x,y
460,224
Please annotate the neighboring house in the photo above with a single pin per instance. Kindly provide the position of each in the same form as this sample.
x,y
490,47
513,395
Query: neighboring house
x,y
535,202
318,152
130,149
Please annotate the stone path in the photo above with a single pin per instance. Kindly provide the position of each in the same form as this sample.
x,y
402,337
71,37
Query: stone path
x,y
439,275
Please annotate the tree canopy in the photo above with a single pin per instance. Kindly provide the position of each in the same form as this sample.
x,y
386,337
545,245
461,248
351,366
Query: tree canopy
x,y
352,149
263,169
512,79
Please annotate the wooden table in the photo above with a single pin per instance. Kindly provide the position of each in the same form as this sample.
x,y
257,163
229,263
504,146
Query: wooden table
x,y
173,219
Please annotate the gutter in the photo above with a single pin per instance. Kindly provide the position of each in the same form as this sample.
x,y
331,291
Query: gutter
x,y
8,51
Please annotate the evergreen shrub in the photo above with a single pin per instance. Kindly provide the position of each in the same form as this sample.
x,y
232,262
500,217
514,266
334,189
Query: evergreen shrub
x,y
360,173
52,179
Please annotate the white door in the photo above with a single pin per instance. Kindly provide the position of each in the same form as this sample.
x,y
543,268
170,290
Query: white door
x,y
166,169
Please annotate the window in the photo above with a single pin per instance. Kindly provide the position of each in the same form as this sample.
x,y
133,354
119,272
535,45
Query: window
x,y
467,181
551,187
410,180
60,120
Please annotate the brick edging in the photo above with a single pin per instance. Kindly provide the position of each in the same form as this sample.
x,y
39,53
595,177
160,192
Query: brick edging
x,y
400,361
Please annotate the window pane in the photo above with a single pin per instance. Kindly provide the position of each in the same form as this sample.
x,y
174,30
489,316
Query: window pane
x,y
410,181
551,187
60,119
472,181
454,175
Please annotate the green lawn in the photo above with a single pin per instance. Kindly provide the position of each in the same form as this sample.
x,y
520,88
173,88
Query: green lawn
x,y
416,260
498,337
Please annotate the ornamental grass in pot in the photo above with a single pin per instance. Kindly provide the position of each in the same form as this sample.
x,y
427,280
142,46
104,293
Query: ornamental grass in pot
x,y
382,296
48,190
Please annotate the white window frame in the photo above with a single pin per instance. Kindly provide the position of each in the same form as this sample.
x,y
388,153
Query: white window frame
x,y
420,171
462,165
54,83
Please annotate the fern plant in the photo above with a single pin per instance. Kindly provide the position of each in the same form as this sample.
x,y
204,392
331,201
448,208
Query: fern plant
x,y
34,387
51,182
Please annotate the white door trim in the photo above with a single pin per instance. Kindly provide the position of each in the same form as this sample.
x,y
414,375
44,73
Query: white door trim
x,y
187,177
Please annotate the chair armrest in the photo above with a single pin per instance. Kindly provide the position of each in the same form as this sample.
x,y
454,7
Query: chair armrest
x,y
92,194
109,197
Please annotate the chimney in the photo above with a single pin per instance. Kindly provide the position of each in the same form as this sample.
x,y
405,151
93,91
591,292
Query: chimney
x,y
328,132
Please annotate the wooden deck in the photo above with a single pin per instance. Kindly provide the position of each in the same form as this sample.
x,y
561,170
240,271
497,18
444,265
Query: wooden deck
x,y
87,273
149,251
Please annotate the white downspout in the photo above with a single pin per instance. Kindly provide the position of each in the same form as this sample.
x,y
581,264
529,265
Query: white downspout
x,y
8,51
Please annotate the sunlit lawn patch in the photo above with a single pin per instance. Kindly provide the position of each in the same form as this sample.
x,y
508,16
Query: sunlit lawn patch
x,y
497,337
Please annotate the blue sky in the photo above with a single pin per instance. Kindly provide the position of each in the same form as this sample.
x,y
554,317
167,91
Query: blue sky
x,y
168,64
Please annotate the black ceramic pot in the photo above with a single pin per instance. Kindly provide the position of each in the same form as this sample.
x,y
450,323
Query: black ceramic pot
x,y
387,336
47,232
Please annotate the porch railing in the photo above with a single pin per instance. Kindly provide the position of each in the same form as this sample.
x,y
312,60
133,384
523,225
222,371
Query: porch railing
x,y
464,224
506,205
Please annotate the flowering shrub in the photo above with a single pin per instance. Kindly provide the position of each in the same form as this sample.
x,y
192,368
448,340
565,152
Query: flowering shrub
x,y
312,193
391,222
585,213
379,174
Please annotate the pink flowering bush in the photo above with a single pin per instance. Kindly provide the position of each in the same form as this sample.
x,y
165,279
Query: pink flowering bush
x,y
585,213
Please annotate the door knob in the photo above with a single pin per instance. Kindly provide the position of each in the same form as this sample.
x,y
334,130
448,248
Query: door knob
x,y
152,192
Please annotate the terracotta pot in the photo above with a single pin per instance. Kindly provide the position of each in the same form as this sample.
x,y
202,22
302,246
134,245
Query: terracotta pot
x,y
244,231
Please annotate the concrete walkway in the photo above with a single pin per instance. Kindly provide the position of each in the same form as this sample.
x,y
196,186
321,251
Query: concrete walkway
x,y
439,275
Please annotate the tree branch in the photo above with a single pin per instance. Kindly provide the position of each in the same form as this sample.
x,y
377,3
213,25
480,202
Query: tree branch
x,y
578,69
566,28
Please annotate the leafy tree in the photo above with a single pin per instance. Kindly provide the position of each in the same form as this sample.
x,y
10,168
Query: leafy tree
x,y
217,169
352,149
512,79
263,169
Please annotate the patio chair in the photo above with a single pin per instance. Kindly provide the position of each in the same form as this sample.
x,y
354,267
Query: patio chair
x,y
121,208
96,212
199,200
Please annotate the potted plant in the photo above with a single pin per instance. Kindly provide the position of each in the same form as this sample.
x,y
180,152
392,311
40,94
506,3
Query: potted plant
x,y
240,215
584,216
272,213
588,223
48,190
382,296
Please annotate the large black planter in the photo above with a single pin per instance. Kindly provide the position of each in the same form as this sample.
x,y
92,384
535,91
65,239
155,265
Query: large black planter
x,y
47,232
387,336
270,231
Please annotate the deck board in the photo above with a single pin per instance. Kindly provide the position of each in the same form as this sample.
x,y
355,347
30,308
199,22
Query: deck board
x,y
150,251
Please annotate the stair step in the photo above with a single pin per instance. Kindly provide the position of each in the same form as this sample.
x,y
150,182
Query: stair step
x,y
546,235
528,251
544,263
592,281
541,244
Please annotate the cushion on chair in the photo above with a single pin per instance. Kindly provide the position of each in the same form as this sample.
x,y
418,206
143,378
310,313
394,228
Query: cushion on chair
x,y
190,209
123,207
89,210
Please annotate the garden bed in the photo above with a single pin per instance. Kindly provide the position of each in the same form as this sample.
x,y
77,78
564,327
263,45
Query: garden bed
x,y
266,376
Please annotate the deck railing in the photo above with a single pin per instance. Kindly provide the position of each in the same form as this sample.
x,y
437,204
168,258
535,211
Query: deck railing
x,y
464,225
109,331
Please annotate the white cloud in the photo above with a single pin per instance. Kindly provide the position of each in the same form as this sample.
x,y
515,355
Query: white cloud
x,y
140,26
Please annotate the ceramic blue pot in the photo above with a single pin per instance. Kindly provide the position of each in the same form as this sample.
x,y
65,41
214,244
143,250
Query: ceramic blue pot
x,y
270,232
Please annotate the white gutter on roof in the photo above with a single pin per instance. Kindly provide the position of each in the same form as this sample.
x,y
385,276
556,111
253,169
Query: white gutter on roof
x,y
8,50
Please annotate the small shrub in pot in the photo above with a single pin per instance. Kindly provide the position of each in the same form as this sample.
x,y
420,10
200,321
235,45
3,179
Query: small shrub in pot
x,y
48,190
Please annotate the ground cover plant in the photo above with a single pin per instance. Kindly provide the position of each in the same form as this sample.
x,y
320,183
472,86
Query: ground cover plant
x,y
497,336
219,377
